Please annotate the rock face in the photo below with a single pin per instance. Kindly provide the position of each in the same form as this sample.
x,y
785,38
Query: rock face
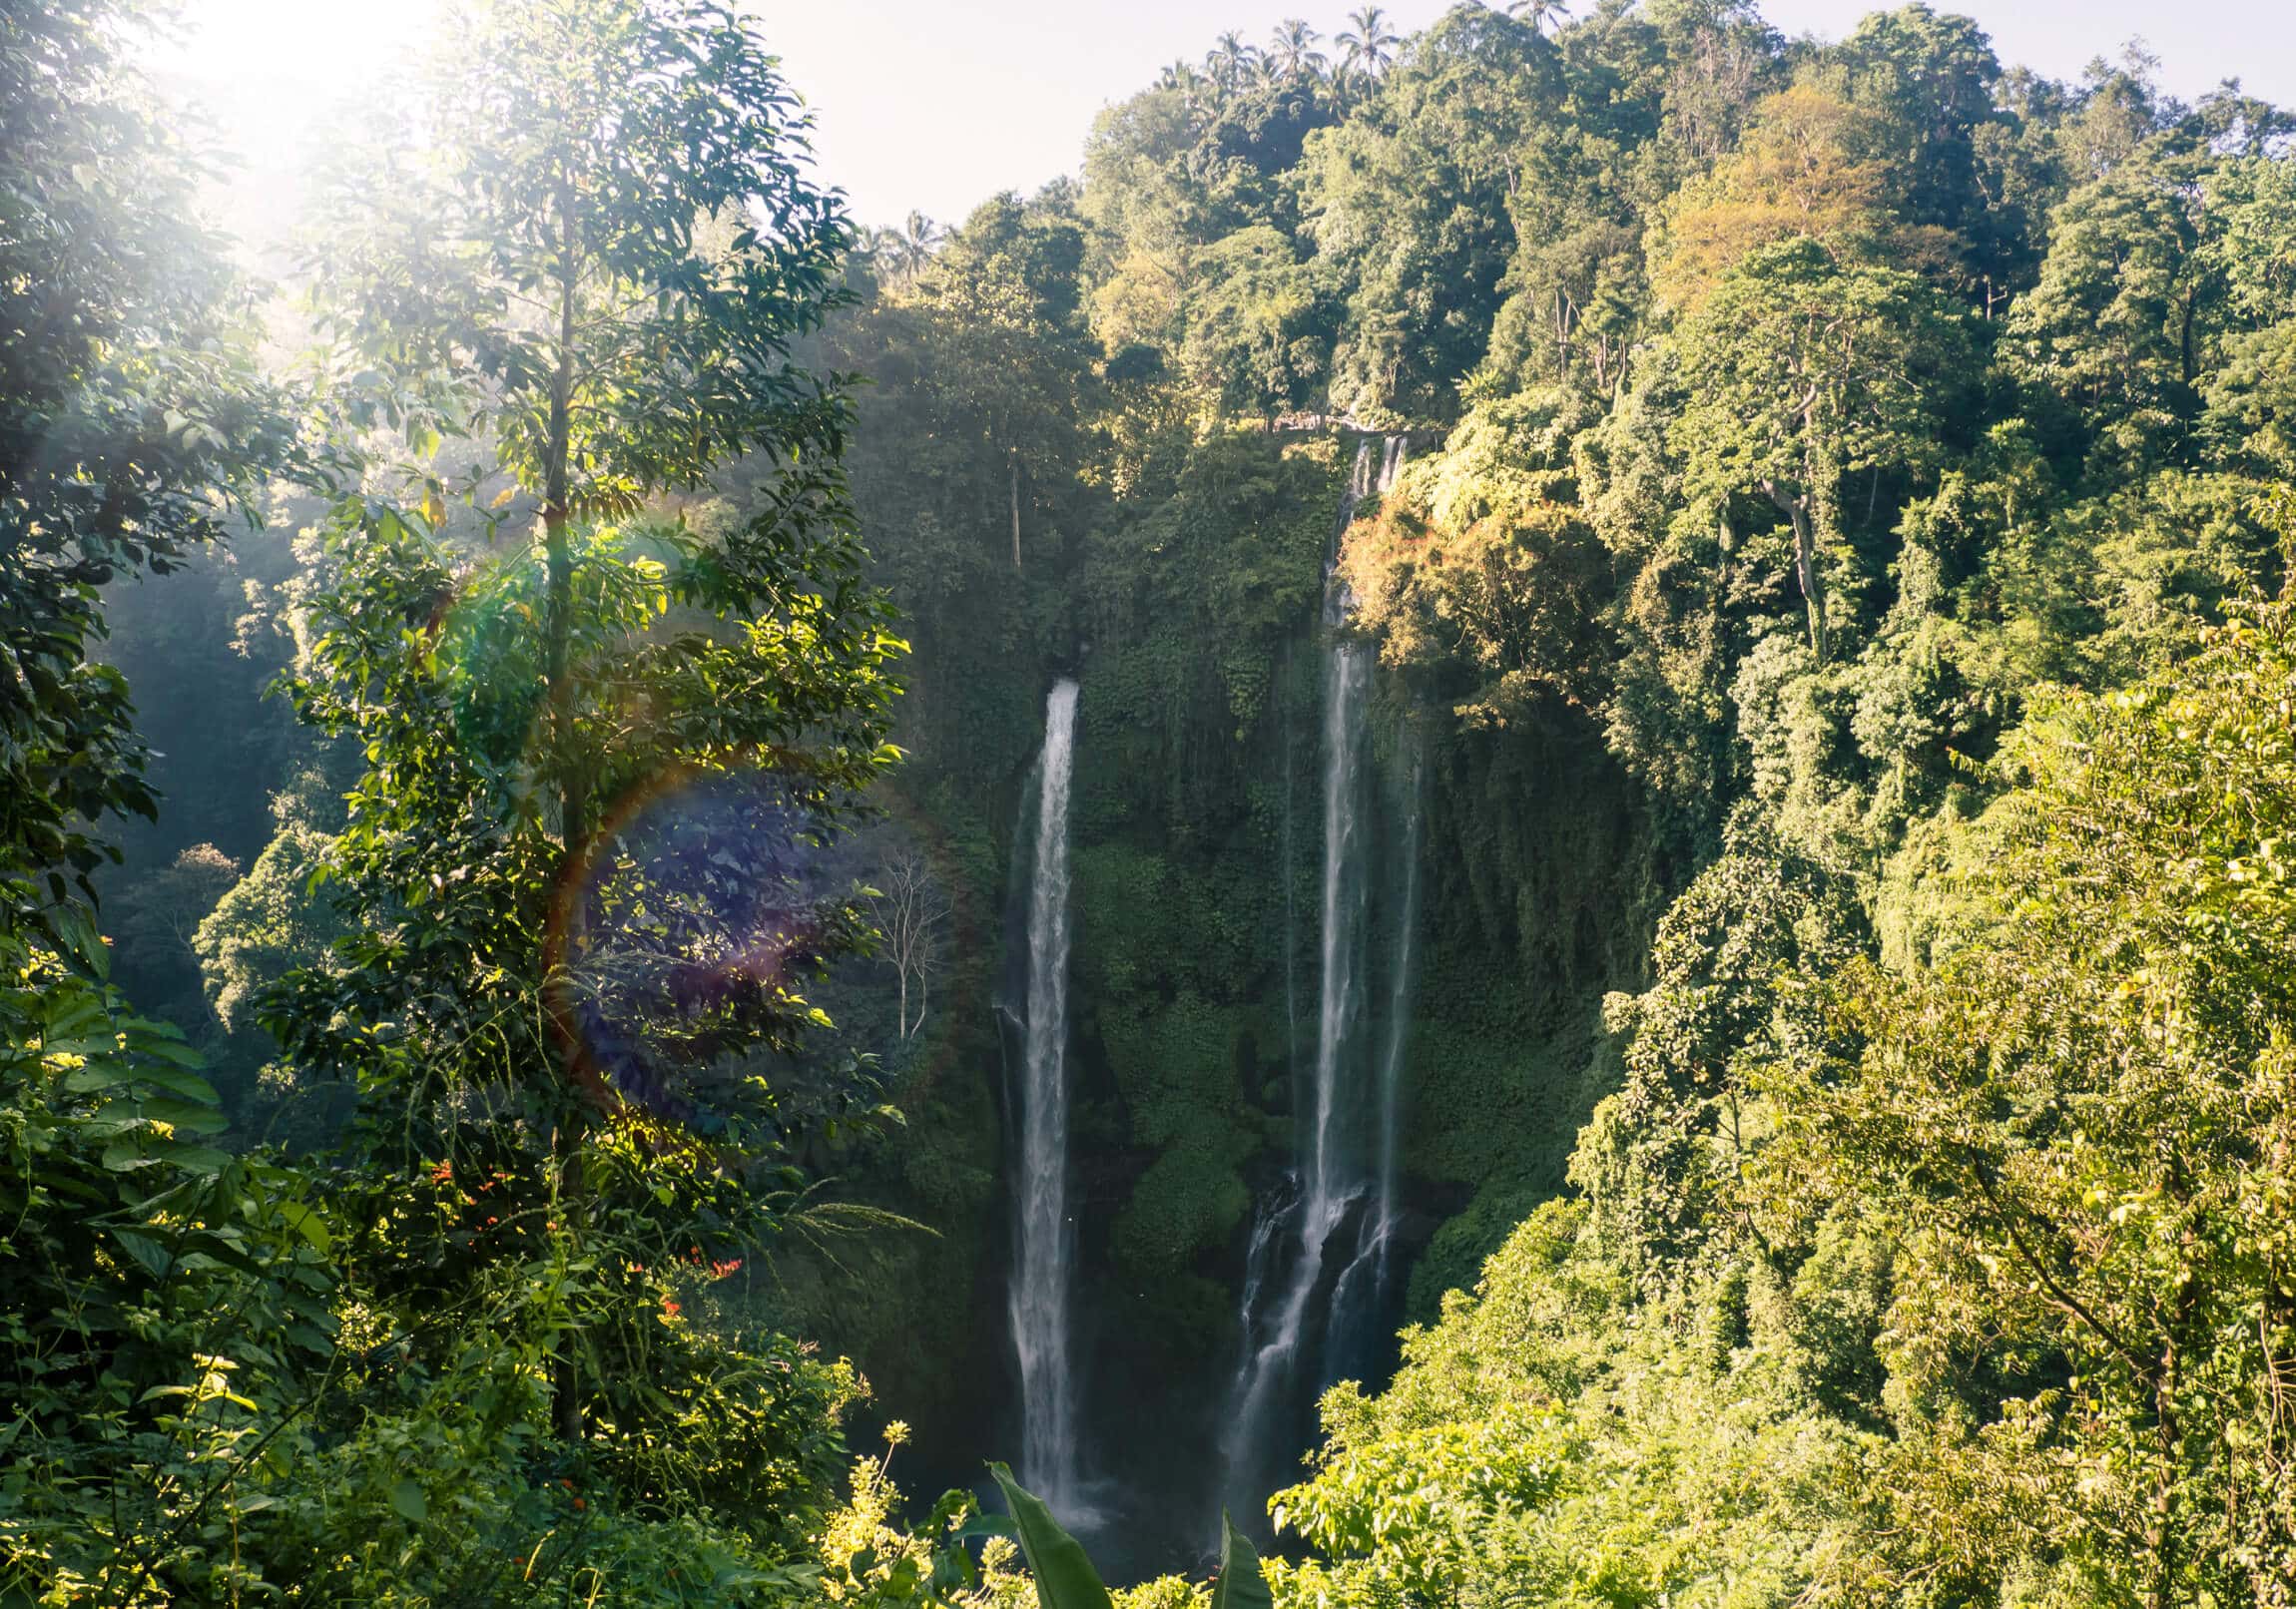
x,y
1328,1014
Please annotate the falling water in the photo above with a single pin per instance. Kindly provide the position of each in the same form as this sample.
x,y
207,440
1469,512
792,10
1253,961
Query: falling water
x,y
1046,1252
1326,1224
1291,889
1365,1286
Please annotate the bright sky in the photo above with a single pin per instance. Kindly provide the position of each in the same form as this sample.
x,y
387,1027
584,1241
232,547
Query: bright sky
x,y
937,104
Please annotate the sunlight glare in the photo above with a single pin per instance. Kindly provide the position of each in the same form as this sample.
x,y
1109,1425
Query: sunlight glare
x,y
250,43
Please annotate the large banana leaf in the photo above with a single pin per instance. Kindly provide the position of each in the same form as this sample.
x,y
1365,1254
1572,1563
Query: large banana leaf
x,y
1241,1585
1065,1578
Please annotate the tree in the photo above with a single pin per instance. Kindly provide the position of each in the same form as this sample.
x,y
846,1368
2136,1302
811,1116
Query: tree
x,y
1934,81
1366,45
133,424
1231,62
170,903
2116,327
1251,315
1801,369
912,911
609,259
2077,1109
1813,165
1010,348
1539,13
1291,53
919,239
1407,203
163,1301
599,760
1180,75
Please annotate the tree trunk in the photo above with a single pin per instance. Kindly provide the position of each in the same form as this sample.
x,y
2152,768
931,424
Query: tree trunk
x,y
902,971
573,784
2160,1522
2184,342
1797,508
1013,459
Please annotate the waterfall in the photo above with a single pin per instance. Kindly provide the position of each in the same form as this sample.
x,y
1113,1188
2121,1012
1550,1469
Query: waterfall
x,y
1291,886
1365,1285
1322,1235
1398,1026
1045,1253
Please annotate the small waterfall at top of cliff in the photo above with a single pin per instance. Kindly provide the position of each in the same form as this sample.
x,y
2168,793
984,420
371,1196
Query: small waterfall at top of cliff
x,y
1044,1250
1315,1233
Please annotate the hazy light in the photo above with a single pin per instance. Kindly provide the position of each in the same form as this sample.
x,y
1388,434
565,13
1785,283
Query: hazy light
x,y
925,104
307,44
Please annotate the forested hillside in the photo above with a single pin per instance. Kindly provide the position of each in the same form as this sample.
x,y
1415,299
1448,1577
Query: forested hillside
x,y
1521,802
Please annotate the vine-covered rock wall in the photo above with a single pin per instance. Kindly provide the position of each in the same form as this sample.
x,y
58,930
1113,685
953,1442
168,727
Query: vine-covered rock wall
x,y
1190,607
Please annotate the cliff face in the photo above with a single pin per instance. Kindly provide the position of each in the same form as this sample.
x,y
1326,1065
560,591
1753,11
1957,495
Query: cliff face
x,y
1509,878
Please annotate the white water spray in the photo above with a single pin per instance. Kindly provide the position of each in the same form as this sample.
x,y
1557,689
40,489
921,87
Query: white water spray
x,y
1324,1234
1045,1251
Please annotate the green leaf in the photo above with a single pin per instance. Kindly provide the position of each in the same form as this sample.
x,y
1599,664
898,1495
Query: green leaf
x,y
145,1248
198,1158
307,1224
75,928
1065,1578
407,1498
170,1048
97,1075
1241,1585
189,1117
189,1086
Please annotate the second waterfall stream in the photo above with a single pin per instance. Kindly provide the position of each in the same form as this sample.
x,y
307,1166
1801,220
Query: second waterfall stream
x,y
1318,1260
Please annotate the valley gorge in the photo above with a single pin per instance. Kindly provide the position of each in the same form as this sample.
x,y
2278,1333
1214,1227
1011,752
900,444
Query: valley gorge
x,y
1503,822
1263,1053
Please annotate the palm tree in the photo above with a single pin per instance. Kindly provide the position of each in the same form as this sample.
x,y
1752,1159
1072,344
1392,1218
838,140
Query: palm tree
x,y
1293,55
1231,61
914,244
1538,13
1368,45
1181,75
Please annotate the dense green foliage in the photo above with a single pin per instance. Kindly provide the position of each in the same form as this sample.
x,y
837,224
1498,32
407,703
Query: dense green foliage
x,y
1802,412
1833,665
476,1358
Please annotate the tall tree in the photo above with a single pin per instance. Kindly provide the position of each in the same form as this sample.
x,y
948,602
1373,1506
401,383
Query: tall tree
x,y
1539,14
598,261
1368,44
1802,369
159,1300
1231,62
587,266
1291,53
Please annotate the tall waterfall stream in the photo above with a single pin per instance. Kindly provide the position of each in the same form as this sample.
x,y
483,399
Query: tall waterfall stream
x,y
1318,1267
1045,1272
